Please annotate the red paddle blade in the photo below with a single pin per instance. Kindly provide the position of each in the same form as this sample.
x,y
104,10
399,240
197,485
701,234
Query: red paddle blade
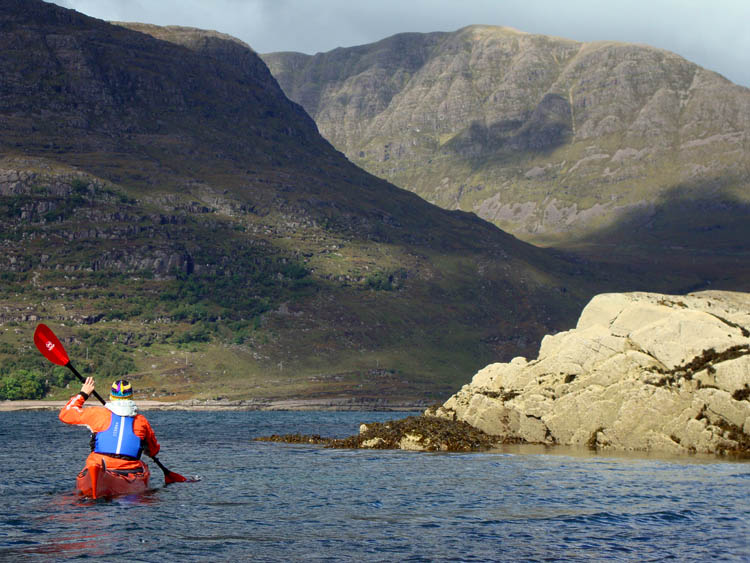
x,y
172,477
50,346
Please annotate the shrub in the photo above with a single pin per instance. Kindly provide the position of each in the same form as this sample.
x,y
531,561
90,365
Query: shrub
x,y
60,377
295,271
198,333
114,365
386,281
79,186
22,384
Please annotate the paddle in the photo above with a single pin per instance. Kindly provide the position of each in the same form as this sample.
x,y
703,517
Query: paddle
x,y
171,476
52,349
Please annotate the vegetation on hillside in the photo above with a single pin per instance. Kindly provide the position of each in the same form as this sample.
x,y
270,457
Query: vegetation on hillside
x,y
175,219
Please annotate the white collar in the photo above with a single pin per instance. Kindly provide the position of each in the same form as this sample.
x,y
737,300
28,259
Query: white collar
x,y
122,407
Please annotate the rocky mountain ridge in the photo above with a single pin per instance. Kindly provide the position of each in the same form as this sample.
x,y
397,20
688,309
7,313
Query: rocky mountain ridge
x,y
592,146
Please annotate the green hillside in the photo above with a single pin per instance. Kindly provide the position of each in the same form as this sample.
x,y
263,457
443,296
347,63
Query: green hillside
x,y
177,220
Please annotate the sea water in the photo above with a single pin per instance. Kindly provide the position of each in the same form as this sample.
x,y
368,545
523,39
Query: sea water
x,y
281,502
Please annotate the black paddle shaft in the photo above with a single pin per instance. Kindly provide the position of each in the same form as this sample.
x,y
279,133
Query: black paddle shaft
x,y
161,466
83,380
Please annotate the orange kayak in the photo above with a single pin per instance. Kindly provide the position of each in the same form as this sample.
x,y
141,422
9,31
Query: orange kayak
x,y
97,482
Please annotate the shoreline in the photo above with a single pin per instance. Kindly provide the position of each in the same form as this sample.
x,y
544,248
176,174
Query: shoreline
x,y
234,405
347,405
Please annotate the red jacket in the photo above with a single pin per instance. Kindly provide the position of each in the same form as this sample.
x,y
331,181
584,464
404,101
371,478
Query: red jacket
x,y
98,419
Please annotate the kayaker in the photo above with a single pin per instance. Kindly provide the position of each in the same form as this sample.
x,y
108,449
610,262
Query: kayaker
x,y
119,434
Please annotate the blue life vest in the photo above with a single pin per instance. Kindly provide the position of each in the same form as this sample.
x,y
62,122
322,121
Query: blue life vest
x,y
119,439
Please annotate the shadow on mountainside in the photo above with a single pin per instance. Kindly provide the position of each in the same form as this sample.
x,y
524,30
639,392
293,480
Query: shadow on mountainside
x,y
545,128
686,241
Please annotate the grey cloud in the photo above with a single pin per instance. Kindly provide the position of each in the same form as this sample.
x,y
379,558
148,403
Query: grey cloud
x,y
712,34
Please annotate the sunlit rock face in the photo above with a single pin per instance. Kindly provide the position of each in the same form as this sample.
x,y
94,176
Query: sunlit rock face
x,y
545,137
641,371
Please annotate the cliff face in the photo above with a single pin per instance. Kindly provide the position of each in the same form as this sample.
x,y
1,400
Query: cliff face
x,y
553,140
640,371
157,187
77,85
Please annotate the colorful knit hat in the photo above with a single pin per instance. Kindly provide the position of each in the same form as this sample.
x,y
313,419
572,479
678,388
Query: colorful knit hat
x,y
121,389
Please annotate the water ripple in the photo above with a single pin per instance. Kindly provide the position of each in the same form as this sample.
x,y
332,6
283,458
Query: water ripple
x,y
276,503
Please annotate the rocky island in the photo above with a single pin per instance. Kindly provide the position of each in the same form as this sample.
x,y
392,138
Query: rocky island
x,y
639,372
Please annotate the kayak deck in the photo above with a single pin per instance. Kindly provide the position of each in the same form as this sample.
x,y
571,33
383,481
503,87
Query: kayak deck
x,y
96,481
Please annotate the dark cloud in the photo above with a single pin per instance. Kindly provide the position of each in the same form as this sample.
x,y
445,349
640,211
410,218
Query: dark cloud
x,y
712,34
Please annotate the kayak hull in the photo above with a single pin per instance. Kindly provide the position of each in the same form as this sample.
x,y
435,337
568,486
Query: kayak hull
x,y
97,482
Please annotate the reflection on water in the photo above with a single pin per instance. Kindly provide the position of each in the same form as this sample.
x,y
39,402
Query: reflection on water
x,y
584,452
63,545
289,502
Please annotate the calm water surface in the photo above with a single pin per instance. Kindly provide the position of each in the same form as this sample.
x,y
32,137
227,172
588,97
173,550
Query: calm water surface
x,y
278,502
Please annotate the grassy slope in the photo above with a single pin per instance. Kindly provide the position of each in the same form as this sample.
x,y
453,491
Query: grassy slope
x,y
214,244
318,317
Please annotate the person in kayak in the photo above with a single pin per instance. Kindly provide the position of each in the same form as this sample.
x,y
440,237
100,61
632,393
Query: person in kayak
x,y
119,434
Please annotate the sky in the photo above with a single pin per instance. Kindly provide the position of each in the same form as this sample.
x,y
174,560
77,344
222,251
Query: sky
x,y
712,33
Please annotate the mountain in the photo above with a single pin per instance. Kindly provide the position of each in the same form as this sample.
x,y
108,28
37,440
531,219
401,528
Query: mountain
x,y
624,152
177,220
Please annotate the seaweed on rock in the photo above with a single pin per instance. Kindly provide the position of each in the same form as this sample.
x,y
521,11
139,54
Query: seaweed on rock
x,y
706,361
427,433
742,394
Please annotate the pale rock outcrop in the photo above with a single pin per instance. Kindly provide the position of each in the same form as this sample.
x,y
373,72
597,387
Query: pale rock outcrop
x,y
640,371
